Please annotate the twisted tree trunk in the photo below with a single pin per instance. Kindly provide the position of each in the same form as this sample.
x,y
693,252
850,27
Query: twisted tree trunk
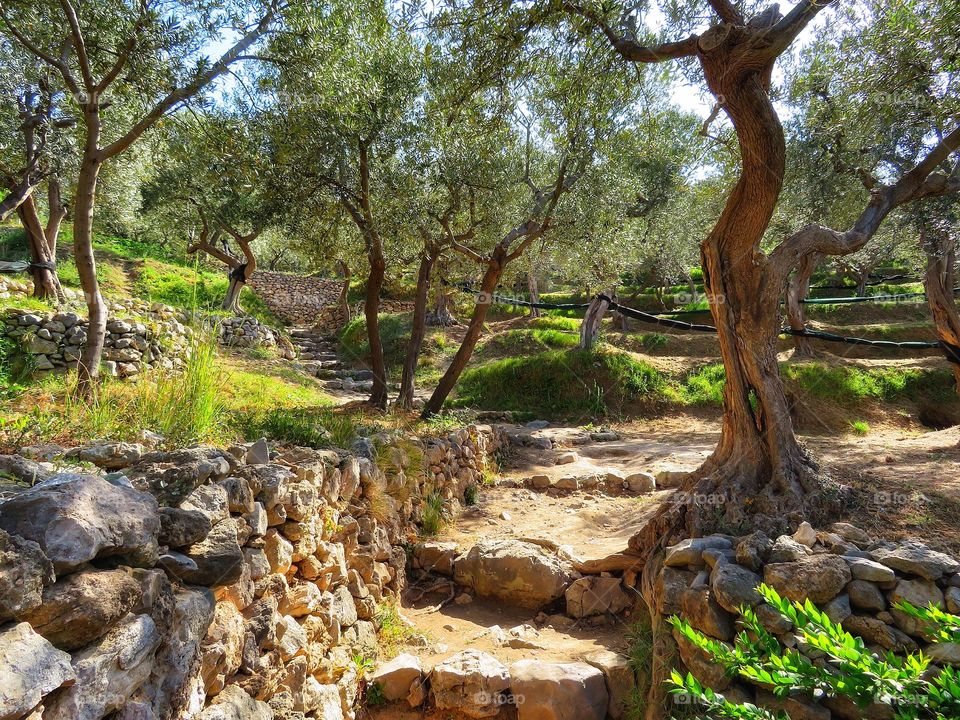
x,y
344,291
938,281
797,290
43,258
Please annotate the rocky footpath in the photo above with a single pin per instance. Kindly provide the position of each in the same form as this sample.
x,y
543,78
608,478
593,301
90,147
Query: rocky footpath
x,y
209,583
854,578
139,336
248,332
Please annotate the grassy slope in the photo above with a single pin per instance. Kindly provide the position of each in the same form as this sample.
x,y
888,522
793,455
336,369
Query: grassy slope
x,y
127,268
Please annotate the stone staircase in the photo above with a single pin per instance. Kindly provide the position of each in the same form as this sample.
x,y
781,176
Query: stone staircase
x,y
318,356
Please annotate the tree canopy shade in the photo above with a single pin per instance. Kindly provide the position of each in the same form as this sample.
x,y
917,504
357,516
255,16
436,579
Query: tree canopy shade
x,y
124,67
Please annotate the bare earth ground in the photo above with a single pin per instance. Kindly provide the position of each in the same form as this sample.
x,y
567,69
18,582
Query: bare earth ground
x,y
906,483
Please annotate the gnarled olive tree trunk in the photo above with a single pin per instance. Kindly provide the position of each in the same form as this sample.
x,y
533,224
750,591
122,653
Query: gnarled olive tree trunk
x,y
43,253
938,281
797,290
534,291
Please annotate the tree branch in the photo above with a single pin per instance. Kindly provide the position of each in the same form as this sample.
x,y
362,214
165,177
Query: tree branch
x,y
631,49
792,24
920,182
178,95
727,11
79,45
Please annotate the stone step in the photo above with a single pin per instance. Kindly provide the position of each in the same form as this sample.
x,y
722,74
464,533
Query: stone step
x,y
477,684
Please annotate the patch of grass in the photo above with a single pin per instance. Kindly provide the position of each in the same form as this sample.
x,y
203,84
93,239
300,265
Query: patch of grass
x,y
15,368
652,341
297,426
848,385
375,696
859,427
640,658
703,386
433,515
553,322
394,334
561,383
392,632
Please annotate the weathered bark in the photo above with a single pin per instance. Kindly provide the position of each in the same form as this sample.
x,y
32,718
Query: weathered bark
x,y
590,326
56,213
417,331
88,370
441,315
862,277
534,291
797,290
491,276
938,281
371,312
344,291
46,284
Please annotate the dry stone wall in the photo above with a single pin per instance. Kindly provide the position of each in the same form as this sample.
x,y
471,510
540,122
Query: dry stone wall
x,y
854,578
295,299
139,336
208,583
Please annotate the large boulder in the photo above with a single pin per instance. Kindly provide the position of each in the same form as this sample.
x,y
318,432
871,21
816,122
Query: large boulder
x,y
30,669
619,677
24,572
517,572
171,476
734,586
435,556
77,518
179,527
558,691
595,595
108,672
82,607
472,682
817,577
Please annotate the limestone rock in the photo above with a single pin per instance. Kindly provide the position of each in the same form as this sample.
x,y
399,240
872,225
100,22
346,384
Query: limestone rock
x,y
24,572
734,586
218,557
515,571
210,500
558,691
805,535
397,676
818,577
866,595
258,453
753,550
864,569
705,613
786,549
641,482
76,518
108,672
83,607
232,703
179,528
701,665
472,682
112,455
30,669
920,594
944,653
595,595
619,678
875,631
917,559
689,551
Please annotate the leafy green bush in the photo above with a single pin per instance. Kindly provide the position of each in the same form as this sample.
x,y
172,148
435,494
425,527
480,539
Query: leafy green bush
x,y
859,427
851,670
704,386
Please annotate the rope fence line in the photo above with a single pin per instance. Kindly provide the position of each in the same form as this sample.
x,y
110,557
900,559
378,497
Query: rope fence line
x,y
951,352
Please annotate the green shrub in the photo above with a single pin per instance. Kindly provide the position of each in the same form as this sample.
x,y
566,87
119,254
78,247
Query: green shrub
x,y
850,668
704,386
470,495
652,341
